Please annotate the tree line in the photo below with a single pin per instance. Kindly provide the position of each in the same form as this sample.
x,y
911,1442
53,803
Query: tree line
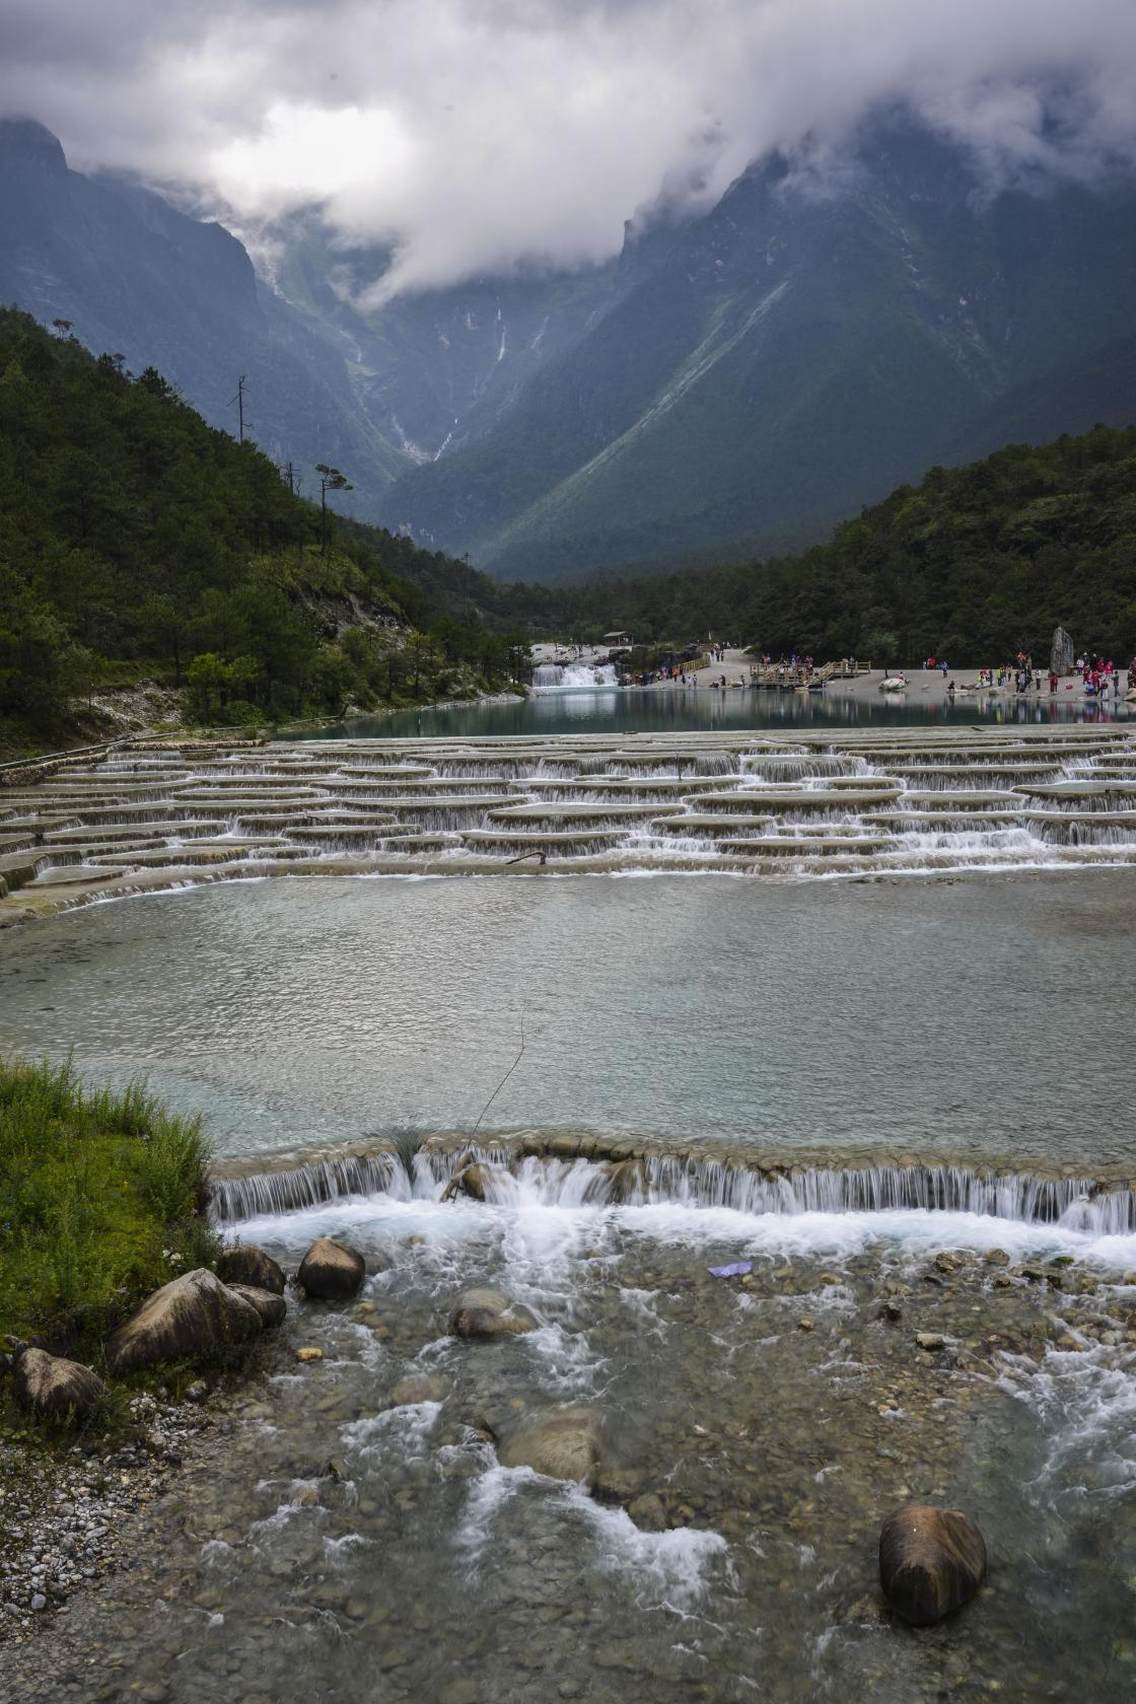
x,y
975,563
135,540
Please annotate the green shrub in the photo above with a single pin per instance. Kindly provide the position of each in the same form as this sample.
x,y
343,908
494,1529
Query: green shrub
x,y
100,1202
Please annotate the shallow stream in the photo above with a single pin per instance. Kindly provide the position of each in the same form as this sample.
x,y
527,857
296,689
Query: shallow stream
x,y
346,1541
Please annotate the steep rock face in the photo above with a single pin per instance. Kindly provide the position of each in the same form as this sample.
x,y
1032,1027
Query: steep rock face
x,y
729,385
135,276
795,354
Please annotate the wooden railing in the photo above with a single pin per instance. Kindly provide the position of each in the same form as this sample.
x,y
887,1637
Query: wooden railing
x,y
786,676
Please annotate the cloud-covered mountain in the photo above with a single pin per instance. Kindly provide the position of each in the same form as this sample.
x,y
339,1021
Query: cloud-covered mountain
x,y
139,278
797,352
730,382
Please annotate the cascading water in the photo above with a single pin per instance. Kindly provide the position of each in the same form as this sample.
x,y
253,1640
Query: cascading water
x,y
771,1322
548,677
511,1178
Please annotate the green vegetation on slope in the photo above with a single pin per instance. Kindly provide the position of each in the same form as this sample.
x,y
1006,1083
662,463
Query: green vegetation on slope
x,y
99,1204
136,539
972,564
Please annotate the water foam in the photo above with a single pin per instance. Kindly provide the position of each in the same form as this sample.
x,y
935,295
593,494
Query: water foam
x,y
562,1187
670,1570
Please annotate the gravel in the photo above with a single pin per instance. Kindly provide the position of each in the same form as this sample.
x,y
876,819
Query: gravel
x,y
61,1515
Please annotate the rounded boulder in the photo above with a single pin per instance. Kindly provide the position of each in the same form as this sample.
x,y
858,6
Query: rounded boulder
x,y
194,1315
246,1264
271,1307
57,1388
561,1443
932,1561
331,1271
486,1315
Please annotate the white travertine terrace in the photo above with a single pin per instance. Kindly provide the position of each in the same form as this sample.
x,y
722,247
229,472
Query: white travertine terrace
x,y
856,803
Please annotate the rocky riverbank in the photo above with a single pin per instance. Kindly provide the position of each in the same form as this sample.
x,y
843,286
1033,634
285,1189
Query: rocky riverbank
x,y
66,1510
601,1471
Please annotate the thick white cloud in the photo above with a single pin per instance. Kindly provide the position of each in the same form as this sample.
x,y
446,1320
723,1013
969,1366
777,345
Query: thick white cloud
x,y
476,135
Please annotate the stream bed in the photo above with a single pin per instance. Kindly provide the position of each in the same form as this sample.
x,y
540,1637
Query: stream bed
x,y
348,1535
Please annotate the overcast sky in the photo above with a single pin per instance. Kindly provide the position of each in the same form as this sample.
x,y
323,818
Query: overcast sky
x,y
479,134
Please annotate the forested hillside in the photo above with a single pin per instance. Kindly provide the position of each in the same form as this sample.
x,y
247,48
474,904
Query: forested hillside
x,y
972,564
134,538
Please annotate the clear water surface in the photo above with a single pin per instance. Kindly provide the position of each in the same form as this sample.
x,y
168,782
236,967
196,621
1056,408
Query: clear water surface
x,y
670,711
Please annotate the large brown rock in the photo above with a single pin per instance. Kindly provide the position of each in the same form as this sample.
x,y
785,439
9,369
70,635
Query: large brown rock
x,y
562,1443
932,1561
271,1307
246,1264
57,1388
194,1315
489,1314
331,1271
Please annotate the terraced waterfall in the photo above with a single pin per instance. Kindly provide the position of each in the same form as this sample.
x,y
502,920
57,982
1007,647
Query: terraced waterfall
x,y
861,804
813,1197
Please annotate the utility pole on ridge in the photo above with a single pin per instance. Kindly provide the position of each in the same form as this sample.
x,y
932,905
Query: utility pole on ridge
x,y
239,399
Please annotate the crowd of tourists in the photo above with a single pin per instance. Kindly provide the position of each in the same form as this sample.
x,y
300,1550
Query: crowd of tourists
x,y
1100,676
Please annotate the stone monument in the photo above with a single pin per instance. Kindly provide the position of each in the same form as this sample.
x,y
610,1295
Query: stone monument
x,y
1061,653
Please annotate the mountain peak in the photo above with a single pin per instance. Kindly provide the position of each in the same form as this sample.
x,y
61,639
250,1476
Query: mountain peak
x,y
27,145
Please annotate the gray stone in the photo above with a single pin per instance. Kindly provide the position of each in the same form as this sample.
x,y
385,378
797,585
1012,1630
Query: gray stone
x,y
193,1315
246,1264
270,1306
1061,652
55,1387
331,1271
473,1180
489,1314
419,1387
649,1513
562,1443
462,1691
628,1181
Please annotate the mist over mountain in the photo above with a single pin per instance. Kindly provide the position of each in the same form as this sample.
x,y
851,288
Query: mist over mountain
x,y
731,383
796,353
138,278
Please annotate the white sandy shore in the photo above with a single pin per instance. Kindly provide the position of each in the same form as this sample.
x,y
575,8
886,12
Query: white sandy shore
x,y
926,686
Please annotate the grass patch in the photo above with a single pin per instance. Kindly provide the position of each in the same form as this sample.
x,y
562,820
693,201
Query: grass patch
x,y
100,1203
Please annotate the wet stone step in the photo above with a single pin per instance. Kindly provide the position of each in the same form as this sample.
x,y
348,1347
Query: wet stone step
x,y
486,839
337,834
581,813
59,874
1060,791
989,771
391,771
186,857
694,822
87,851
135,830
603,786
977,799
813,846
806,801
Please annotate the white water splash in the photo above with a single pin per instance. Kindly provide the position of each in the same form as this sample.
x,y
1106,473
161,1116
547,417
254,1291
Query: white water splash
x,y
669,1569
